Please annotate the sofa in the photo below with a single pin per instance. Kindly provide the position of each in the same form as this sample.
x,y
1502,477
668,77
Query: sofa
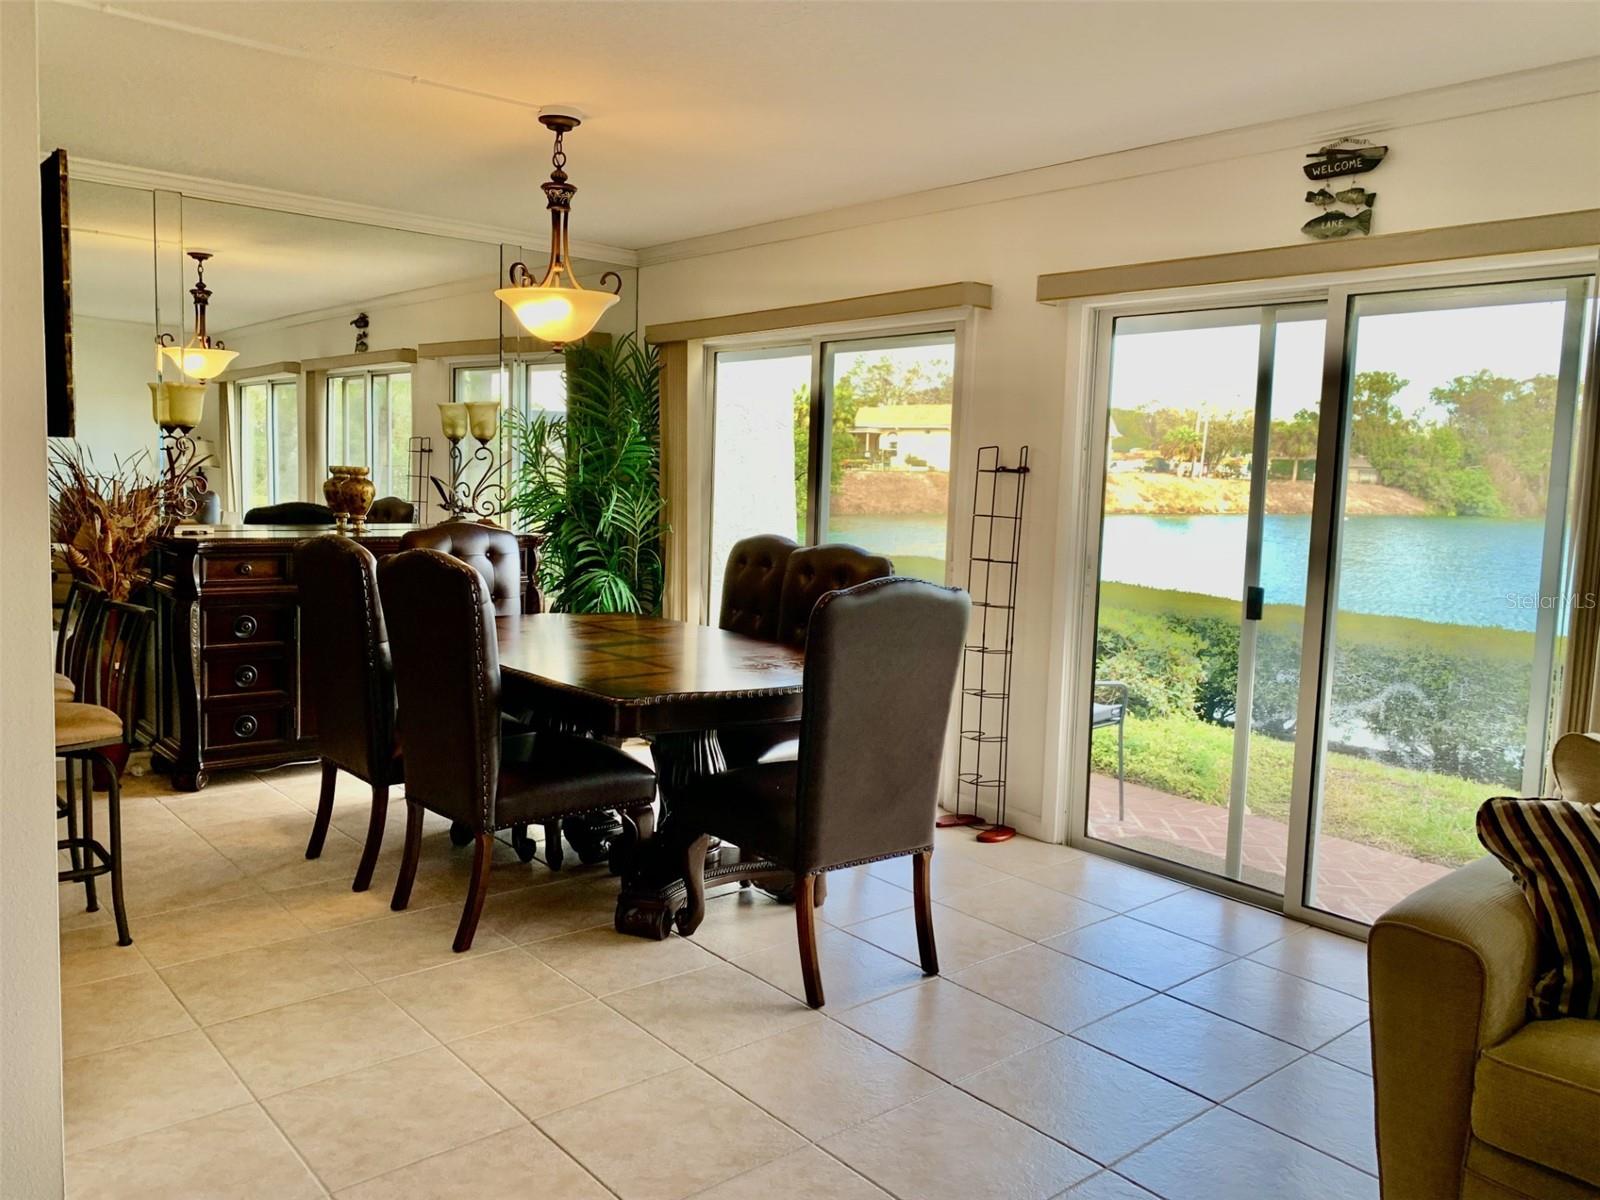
x,y
1473,1099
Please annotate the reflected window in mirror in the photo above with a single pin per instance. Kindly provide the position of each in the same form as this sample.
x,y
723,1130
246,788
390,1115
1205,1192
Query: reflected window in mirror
x,y
546,391
478,382
369,425
268,441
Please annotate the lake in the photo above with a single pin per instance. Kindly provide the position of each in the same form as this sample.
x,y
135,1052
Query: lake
x,y
1453,570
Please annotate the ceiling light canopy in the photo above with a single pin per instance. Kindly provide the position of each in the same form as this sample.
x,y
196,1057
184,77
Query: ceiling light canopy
x,y
557,308
200,358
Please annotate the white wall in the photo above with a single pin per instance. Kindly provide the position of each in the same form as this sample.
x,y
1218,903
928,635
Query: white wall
x,y
111,363
30,987
1450,162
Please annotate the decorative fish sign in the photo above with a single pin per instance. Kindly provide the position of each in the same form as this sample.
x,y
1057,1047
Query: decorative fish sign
x,y
1335,160
1359,197
1339,224
1322,198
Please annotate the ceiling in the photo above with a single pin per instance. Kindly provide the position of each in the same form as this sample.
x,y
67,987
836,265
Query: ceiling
x,y
711,116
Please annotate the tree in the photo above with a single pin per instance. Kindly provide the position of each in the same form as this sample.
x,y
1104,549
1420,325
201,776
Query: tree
x,y
1181,444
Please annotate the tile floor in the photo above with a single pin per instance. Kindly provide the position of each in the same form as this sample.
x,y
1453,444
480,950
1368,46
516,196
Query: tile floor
x,y
1099,1033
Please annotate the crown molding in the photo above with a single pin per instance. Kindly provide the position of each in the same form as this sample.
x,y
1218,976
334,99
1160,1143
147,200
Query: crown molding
x,y
1540,85
434,291
92,170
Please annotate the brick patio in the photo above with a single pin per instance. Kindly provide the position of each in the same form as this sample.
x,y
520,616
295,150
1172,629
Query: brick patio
x,y
1352,880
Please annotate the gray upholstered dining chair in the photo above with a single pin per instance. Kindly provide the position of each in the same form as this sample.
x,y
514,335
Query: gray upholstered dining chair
x,y
447,679
344,656
880,671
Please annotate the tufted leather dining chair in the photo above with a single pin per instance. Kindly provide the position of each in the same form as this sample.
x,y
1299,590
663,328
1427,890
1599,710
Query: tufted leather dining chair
x,y
881,663
752,585
447,676
494,552
290,512
391,510
344,654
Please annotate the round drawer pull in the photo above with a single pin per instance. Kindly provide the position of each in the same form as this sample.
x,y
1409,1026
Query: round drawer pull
x,y
245,726
246,568
246,676
245,626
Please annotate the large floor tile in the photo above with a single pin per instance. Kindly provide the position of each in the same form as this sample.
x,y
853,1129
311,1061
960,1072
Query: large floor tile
x,y
289,1047
1099,1105
1189,1046
224,804
961,940
1140,952
1026,908
1060,991
948,1146
409,941
149,1085
512,1165
822,1078
945,1028
535,913
806,1172
249,981
477,993
94,962
561,1058
1353,1049
1320,1103
858,895
603,961
853,971
1108,1185
271,851
1018,856
1322,957
1286,1006
744,922
1217,921
1105,882
238,1154
711,1010
182,936
949,873
639,1145
1223,1156
118,1011
375,1120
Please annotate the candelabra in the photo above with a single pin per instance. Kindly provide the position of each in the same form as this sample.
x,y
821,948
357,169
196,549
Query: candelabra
x,y
483,496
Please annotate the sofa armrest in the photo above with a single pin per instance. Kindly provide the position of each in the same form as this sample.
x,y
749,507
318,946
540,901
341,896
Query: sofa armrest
x,y
1449,969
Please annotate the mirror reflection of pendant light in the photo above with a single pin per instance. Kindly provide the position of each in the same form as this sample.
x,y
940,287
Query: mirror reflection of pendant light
x,y
200,358
557,309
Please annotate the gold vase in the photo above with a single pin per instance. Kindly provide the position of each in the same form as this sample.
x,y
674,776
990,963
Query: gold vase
x,y
356,493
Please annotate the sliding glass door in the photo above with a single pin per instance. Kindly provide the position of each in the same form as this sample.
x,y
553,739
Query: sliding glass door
x,y
1329,613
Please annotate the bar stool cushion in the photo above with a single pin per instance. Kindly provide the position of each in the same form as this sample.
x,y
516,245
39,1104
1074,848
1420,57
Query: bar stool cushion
x,y
85,726
65,688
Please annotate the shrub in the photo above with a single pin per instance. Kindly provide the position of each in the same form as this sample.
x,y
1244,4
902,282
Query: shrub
x,y
1159,662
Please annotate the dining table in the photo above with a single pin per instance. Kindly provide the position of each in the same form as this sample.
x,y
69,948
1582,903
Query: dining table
x,y
619,676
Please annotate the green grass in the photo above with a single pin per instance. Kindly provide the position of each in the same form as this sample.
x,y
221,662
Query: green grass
x,y
1415,813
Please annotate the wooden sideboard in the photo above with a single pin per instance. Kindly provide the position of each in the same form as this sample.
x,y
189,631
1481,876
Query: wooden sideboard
x,y
227,688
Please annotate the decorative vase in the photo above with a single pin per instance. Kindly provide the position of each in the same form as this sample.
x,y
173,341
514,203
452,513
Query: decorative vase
x,y
331,495
356,493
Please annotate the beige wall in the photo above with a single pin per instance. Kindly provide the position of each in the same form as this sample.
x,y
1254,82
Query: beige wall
x,y
1448,164
30,991
111,360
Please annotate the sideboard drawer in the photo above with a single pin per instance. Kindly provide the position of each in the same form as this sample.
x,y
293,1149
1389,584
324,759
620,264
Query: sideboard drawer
x,y
247,726
229,570
241,674
232,624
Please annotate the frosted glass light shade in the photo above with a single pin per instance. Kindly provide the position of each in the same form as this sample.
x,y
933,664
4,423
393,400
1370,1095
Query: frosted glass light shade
x,y
199,362
483,418
556,314
186,402
453,420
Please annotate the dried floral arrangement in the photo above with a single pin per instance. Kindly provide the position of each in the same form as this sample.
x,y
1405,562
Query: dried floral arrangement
x,y
107,520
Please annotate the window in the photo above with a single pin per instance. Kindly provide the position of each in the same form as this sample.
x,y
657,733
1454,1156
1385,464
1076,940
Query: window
x,y
369,425
268,436
880,478
543,385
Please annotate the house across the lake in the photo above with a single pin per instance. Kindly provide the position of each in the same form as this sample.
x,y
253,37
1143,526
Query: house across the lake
x,y
904,436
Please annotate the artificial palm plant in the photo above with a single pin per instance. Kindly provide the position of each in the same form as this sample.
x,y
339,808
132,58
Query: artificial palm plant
x,y
590,481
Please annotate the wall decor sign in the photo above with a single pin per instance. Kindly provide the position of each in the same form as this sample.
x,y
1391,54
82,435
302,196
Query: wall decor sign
x,y
1346,210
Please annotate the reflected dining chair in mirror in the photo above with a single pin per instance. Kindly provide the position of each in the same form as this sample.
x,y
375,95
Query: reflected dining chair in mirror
x,y
83,603
447,677
86,729
493,552
344,654
290,512
391,510
880,672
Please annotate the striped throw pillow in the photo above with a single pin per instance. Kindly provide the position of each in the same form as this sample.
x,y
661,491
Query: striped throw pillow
x,y
1552,848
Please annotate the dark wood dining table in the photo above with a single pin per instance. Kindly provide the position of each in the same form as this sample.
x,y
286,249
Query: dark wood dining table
x,y
672,683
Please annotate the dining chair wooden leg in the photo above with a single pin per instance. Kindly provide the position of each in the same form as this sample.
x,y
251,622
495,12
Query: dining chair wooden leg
x,y
805,919
922,898
114,821
477,889
319,826
86,796
553,853
694,879
408,857
369,852
819,890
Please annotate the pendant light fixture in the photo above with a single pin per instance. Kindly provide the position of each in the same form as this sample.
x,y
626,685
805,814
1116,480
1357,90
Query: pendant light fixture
x,y
200,358
558,309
